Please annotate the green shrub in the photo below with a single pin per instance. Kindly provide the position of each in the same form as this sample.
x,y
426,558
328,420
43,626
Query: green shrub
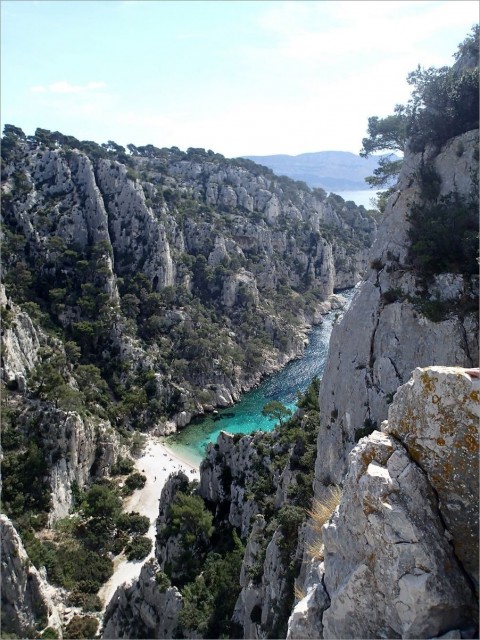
x,y
96,533
87,586
87,601
209,600
119,543
430,182
392,295
134,481
190,519
376,264
81,627
309,399
444,236
198,606
69,564
100,500
138,548
163,581
434,310
133,523
24,470
290,518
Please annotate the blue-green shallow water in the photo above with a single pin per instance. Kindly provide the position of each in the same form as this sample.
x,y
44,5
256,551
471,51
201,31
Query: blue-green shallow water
x,y
246,415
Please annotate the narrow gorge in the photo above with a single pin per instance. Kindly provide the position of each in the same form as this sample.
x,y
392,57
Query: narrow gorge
x,y
146,287
141,289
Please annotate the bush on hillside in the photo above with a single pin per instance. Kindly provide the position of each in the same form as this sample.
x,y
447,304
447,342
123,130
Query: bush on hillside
x,y
82,627
444,236
138,548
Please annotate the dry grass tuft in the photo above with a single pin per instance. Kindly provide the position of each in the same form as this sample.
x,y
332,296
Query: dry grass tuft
x,y
299,593
322,509
315,550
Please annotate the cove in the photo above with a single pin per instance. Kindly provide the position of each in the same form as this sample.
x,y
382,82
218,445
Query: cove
x,y
246,415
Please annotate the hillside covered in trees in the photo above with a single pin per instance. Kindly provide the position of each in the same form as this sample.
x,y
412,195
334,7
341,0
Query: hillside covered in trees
x,y
144,286
141,287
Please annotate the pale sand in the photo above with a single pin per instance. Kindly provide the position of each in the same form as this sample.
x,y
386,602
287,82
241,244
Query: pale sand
x,y
156,463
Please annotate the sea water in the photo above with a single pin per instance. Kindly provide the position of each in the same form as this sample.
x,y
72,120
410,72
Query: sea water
x,y
284,386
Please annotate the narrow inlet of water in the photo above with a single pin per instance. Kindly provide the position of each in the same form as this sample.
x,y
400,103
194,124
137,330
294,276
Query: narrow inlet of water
x,y
246,415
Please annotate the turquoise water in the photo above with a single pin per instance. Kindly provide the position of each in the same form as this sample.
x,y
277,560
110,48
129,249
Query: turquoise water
x,y
246,415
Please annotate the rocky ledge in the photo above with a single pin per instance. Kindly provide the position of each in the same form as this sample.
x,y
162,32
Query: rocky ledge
x,y
401,550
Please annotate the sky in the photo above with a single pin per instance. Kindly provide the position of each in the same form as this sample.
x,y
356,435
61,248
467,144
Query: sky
x,y
239,77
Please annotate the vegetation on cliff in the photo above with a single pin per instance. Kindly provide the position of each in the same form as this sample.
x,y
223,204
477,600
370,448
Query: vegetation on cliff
x,y
132,335
150,298
213,321
209,550
444,103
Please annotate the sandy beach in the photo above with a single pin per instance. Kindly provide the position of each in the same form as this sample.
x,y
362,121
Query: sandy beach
x,y
157,462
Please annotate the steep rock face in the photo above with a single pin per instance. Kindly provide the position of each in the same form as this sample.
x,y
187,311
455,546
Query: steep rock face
x,y
20,343
224,472
238,478
234,186
26,604
115,248
350,267
143,610
75,447
75,450
250,597
79,449
440,433
274,585
396,561
306,618
169,550
384,334
235,478
261,603
387,538
128,232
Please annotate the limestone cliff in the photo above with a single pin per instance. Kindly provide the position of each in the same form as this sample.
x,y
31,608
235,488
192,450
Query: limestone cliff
x,y
387,331
27,606
143,610
134,256
145,288
397,558
21,342
400,553
386,569
75,447
140,290
254,486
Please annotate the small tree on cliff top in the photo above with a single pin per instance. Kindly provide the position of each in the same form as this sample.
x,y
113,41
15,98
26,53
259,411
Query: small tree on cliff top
x,y
276,411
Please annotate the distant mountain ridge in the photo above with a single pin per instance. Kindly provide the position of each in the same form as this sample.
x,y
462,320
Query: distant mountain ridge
x,y
330,170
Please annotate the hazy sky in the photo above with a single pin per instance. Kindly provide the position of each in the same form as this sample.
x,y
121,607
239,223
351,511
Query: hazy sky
x,y
239,77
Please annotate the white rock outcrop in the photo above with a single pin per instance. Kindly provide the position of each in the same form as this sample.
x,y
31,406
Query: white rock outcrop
x,y
78,449
27,606
384,335
390,569
20,342
144,609
401,549
441,434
